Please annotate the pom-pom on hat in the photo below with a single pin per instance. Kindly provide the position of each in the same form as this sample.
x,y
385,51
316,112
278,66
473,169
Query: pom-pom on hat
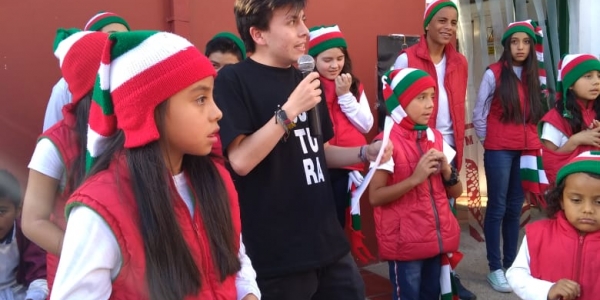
x,y
139,70
588,162
323,38
433,7
103,18
79,53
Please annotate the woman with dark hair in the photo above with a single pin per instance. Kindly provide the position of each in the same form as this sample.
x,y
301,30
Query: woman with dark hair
x,y
157,218
572,126
57,166
350,114
509,106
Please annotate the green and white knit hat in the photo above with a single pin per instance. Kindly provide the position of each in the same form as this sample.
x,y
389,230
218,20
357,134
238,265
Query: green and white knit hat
x,y
400,87
570,69
79,53
433,7
235,39
323,38
103,18
139,70
588,162
520,26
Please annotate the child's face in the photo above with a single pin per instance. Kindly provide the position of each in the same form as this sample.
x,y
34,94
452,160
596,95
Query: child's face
x,y
190,122
220,59
421,107
520,45
287,36
581,202
8,214
330,63
443,25
587,87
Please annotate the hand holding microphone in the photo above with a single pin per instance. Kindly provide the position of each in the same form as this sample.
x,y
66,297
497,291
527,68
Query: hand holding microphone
x,y
307,95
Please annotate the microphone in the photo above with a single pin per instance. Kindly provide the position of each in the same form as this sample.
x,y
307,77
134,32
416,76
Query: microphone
x,y
306,64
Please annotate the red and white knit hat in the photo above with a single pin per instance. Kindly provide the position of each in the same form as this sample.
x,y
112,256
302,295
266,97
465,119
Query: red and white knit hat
x,y
79,53
588,162
572,67
401,86
139,70
433,7
103,18
322,38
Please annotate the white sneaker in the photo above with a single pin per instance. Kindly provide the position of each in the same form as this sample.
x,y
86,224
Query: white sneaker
x,y
498,281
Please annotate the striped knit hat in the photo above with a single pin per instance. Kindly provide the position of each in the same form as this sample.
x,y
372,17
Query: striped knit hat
x,y
139,70
323,38
433,7
520,26
235,39
103,18
570,69
588,162
400,87
78,53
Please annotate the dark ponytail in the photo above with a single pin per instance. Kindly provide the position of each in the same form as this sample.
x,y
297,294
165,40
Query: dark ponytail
x,y
76,173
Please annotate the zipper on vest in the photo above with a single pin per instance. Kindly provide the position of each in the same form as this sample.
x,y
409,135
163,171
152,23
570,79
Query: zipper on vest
x,y
431,199
578,259
525,123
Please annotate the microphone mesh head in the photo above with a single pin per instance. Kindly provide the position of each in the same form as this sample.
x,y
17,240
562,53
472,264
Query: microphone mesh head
x,y
306,63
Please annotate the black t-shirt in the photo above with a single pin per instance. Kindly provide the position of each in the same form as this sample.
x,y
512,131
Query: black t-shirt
x,y
289,222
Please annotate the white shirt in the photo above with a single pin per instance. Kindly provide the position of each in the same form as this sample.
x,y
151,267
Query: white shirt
x,y
443,122
522,283
552,134
91,258
47,160
486,92
357,112
59,97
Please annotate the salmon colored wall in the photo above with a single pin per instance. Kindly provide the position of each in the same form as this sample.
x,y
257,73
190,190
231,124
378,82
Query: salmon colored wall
x,y
28,69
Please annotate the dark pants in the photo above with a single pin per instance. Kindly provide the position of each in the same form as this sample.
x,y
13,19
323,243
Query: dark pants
x,y
416,279
340,280
505,202
339,184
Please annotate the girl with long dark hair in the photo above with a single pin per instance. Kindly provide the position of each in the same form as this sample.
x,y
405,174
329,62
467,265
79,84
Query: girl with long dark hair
x,y
57,166
351,116
572,126
509,106
157,218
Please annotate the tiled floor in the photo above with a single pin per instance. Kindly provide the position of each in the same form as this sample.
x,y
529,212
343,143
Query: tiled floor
x,y
377,287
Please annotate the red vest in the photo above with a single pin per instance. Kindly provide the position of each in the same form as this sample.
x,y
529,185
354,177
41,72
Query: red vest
x,y
419,224
509,136
344,132
553,160
455,83
109,194
558,251
64,138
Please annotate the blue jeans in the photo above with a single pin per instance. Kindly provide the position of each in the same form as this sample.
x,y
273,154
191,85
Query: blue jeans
x,y
416,279
505,202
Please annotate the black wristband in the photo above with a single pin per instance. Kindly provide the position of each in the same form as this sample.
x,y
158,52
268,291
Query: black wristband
x,y
453,178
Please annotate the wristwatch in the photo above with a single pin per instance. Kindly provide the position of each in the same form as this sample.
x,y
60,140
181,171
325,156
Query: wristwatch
x,y
282,118
453,178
